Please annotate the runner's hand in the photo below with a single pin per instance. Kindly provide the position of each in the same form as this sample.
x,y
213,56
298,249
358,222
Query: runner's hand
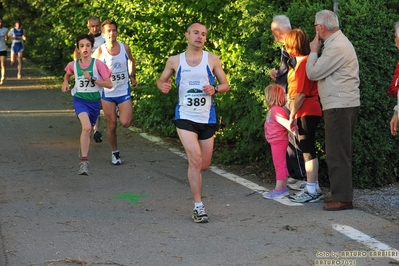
x,y
134,82
166,86
65,87
394,125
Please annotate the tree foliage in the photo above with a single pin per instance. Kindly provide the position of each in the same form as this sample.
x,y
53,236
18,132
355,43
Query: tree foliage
x,y
239,33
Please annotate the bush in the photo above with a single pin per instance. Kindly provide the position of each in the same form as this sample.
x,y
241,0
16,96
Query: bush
x,y
239,32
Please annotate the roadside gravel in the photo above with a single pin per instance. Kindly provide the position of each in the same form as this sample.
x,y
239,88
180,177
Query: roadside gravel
x,y
382,202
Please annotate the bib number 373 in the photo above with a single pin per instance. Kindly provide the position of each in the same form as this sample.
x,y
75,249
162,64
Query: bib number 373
x,y
85,85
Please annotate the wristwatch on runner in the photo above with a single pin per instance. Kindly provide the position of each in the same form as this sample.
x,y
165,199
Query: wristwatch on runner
x,y
93,79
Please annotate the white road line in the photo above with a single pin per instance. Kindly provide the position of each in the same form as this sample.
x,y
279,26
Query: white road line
x,y
235,178
368,241
251,185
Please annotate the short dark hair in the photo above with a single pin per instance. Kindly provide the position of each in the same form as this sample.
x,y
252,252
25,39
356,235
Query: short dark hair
x,y
85,36
196,22
109,22
94,18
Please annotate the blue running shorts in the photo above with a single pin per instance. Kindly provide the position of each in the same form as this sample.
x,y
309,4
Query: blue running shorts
x,y
92,108
117,100
17,47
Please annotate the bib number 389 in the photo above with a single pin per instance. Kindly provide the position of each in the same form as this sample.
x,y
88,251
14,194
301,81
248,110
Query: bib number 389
x,y
196,102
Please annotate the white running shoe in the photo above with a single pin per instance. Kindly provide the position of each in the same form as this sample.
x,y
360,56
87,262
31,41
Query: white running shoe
x,y
83,168
116,159
306,196
199,215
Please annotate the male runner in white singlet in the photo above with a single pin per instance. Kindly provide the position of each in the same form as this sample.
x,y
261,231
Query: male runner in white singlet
x,y
3,50
195,116
118,57
18,36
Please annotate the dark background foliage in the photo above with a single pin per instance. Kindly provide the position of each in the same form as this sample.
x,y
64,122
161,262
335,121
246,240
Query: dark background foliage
x,y
239,32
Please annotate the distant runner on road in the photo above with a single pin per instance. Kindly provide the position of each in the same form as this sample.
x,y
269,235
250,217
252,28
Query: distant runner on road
x,y
3,50
17,35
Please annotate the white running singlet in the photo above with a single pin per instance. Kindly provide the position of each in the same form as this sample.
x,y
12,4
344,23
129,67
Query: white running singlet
x,y
119,68
194,104
3,33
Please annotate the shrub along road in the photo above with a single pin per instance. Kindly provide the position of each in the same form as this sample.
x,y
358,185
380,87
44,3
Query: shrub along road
x,y
138,213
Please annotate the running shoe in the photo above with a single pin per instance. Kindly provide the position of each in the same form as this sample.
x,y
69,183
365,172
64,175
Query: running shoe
x,y
97,136
199,215
83,168
276,194
296,184
306,196
116,159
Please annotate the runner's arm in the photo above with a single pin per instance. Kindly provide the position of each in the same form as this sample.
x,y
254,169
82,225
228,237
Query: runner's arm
x,y
131,66
65,85
164,83
223,84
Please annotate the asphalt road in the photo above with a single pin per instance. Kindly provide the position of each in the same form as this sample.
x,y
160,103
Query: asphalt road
x,y
139,213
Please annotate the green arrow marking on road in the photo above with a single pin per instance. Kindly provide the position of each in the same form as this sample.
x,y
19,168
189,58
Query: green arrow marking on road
x,y
133,198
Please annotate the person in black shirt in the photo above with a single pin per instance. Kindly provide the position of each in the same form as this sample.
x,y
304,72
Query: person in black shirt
x,y
280,27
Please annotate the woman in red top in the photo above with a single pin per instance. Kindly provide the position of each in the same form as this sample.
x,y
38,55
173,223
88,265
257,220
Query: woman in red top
x,y
305,112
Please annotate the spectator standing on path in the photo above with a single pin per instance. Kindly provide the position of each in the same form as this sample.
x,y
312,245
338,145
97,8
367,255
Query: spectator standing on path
x,y
276,127
94,26
3,50
394,88
18,36
337,73
305,113
118,57
280,27
195,115
90,76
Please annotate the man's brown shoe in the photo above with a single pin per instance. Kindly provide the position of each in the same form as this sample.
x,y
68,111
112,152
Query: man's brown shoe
x,y
327,199
338,206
